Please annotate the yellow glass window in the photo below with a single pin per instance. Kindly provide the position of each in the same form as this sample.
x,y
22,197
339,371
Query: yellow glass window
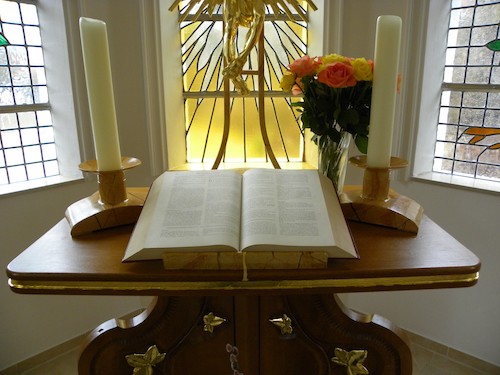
x,y
202,60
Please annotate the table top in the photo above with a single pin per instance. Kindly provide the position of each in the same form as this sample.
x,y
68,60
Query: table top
x,y
389,260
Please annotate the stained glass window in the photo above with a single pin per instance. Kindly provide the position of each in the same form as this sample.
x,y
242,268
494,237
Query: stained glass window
x,y
468,132
27,147
202,61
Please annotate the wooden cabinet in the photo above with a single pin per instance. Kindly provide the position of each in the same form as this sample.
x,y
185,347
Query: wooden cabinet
x,y
274,334
322,328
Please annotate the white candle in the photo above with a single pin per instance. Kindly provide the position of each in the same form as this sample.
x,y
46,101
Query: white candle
x,y
97,65
385,77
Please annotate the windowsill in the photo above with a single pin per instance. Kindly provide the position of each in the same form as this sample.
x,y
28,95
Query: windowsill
x,y
460,182
42,183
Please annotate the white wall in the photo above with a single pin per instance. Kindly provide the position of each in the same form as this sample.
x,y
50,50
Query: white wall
x,y
465,319
31,324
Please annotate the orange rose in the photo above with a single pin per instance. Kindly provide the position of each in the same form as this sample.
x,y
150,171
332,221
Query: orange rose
x,y
338,75
305,66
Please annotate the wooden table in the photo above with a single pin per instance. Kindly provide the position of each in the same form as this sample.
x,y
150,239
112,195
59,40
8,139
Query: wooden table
x,y
255,315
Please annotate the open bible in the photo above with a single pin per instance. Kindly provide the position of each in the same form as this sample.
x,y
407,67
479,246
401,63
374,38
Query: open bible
x,y
221,211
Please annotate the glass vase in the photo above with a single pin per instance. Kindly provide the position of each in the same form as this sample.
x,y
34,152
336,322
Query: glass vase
x,y
332,159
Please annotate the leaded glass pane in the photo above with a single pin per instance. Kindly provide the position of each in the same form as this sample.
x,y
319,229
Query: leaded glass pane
x,y
27,148
469,98
11,138
35,171
202,64
33,154
29,14
17,174
51,168
17,55
14,156
482,35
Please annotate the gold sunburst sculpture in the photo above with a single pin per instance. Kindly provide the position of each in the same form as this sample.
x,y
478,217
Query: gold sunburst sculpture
x,y
245,13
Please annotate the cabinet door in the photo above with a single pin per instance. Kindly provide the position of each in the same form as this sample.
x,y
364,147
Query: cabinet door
x,y
286,348
278,335
202,351
328,338
170,338
246,334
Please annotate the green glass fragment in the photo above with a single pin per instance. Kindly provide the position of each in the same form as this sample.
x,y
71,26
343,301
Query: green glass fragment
x,y
3,40
494,45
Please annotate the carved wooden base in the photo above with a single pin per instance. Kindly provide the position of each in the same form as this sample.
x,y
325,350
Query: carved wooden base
x,y
375,203
90,214
397,211
321,337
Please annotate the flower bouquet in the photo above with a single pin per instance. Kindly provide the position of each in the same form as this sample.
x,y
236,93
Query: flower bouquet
x,y
336,96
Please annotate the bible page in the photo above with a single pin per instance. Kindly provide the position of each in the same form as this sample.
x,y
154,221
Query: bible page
x,y
197,209
284,208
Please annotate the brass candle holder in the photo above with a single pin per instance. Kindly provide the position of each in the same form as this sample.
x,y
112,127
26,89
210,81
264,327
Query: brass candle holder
x,y
112,205
376,203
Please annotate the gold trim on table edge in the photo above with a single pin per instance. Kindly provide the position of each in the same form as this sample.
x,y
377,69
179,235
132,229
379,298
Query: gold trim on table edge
x,y
139,286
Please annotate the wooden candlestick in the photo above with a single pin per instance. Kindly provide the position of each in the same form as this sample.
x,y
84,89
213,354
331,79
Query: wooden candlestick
x,y
376,203
111,206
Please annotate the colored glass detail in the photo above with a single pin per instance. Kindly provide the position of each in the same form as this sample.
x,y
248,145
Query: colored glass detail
x,y
3,40
494,45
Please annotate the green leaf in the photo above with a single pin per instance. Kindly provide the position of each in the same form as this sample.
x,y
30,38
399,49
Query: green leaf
x,y
3,40
361,128
348,118
494,45
361,142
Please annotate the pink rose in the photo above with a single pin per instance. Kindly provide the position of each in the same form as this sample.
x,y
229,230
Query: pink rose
x,y
305,66
338,75
297,90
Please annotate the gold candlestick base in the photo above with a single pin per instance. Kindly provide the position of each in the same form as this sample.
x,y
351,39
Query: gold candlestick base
x,y
376,203
111,206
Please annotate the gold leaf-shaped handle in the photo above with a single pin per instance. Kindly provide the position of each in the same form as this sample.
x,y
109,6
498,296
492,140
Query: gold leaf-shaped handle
x,y
284,324
210,321
352,360
143,363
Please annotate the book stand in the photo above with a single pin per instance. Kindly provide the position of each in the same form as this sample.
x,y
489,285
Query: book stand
x,y
376,203
111,206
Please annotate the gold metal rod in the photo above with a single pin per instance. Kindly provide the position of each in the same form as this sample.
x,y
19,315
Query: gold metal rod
x,y
312,5
227,123
200,10
262,112
184,15
174,5
252,72
289,12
